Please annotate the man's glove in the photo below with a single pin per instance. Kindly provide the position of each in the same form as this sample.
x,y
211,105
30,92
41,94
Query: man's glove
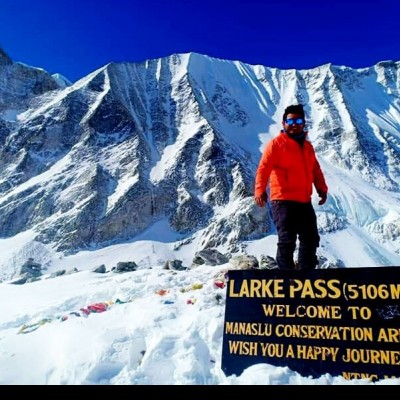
x,y
323,196
261,200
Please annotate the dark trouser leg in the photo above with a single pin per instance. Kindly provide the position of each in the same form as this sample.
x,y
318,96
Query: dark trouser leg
x,y
308,238
282,215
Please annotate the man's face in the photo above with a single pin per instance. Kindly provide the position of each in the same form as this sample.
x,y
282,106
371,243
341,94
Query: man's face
x,y
293,124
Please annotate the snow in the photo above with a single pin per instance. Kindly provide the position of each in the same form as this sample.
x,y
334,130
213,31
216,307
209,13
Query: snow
x,y
174,338
169,327
168,330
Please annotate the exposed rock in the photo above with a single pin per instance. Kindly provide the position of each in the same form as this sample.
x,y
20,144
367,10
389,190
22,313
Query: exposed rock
x,y
125,266
245,221
5,59
244,261
30,269
20,281
267,262
33,279
101,269
324,263
209,257
174,265
57,273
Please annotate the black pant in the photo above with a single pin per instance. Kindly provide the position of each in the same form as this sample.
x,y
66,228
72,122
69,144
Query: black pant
x,y
293,219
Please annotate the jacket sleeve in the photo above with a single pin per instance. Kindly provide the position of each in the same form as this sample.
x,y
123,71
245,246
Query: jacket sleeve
x,y
264,170
319,179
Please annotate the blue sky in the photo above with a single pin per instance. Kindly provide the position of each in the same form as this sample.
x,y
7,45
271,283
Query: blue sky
x,y
76,37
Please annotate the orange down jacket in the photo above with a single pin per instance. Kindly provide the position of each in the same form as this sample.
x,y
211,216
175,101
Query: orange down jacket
x,y
290,169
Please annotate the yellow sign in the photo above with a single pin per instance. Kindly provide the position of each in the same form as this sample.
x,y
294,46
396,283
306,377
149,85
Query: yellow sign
x,y
339,321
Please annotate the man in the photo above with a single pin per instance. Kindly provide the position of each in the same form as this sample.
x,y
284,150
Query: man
x,y
290,167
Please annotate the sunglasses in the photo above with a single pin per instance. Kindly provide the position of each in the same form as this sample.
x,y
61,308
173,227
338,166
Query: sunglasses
x,y
297,121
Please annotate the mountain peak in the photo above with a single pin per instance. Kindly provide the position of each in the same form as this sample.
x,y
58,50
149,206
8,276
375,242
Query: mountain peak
x,y
5,59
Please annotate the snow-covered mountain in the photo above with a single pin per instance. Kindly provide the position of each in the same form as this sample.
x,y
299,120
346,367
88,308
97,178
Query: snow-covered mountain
x,y
175,143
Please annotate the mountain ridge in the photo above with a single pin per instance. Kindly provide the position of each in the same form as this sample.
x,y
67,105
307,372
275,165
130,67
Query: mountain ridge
x,y
100,161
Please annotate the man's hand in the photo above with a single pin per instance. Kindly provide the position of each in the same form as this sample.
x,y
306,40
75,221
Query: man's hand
x,y
261,200
323,197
